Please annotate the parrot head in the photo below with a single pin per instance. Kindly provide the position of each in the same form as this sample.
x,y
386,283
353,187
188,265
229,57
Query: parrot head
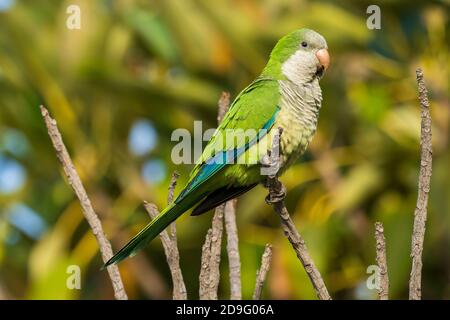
x,y
301,56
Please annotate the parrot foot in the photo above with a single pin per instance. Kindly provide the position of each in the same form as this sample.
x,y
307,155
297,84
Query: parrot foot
x,y
277,192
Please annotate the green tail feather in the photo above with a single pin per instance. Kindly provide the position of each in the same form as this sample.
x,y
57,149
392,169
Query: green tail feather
x,y
153,229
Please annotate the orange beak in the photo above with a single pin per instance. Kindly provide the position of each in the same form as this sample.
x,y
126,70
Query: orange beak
x,y
323,57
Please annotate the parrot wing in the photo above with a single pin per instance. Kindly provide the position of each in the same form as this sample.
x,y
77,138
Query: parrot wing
x,y
255,108
253,112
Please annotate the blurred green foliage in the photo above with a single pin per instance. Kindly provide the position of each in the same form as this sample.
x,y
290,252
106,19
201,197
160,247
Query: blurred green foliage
x,y
167,61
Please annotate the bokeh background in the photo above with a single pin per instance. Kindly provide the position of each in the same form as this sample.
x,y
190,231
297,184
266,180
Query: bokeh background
x,y
137,70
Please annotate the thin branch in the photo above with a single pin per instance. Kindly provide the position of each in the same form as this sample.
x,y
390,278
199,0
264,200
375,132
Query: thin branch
x,y
173,228
210,263
277,193
88,211
172,256
383,290
172,185
234,259
420,213
149,279
233,250
261,274
223,106
205,268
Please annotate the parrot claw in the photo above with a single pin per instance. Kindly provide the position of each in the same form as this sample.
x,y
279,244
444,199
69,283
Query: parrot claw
x,y
276,195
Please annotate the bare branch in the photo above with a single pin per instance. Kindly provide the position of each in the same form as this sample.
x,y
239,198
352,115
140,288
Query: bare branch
x,y
223,106
172,256
210,262
233,250
210,271
383,290
277,193
172,185
234,259
173,228
88,211
149,279
205,268
420,213
261,274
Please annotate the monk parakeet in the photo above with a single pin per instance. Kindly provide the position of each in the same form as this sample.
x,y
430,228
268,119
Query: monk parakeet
x,y
287,95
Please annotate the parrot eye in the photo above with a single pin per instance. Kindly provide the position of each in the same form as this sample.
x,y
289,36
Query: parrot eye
x,y
304,44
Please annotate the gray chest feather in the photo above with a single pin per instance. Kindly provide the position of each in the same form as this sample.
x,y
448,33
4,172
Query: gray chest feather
x,y
299,114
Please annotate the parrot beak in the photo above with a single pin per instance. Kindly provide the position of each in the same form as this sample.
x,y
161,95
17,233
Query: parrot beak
x,y
324,58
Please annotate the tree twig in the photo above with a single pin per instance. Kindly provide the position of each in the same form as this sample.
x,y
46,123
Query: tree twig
x,y
210,263
261,274
172,185
88,211
172,256
420,213
383,290
234,259
277,193
151,282
233,250
223,106
173,228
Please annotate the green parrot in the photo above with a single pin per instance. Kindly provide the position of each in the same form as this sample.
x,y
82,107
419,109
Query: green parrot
x,y
287,95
